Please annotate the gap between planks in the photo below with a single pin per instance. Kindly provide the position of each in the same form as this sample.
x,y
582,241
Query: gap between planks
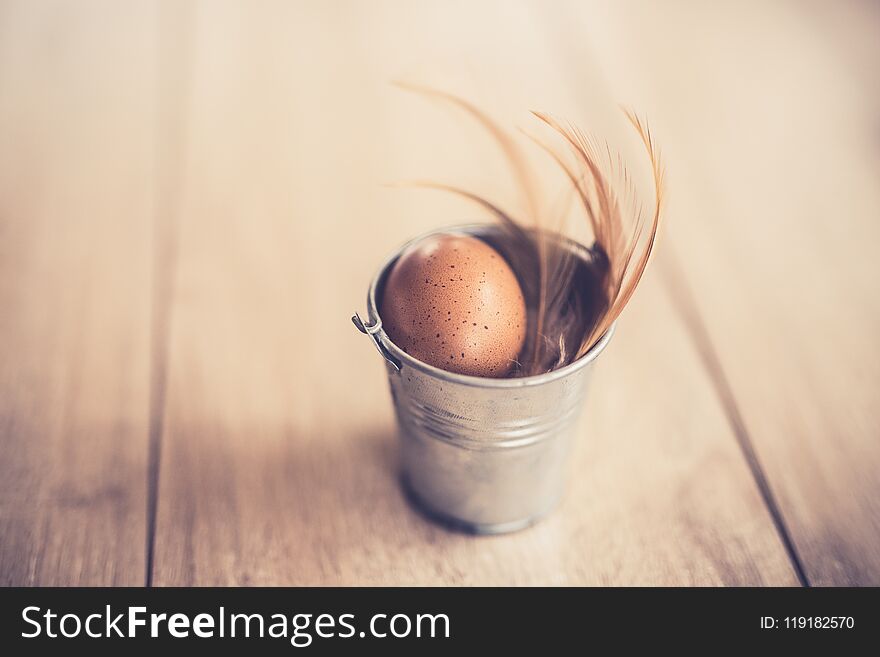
x,y
683,303
175,34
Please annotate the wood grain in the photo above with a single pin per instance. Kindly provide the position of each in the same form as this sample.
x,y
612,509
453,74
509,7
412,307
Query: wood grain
x,y
278,457
193,198
771,139
77,133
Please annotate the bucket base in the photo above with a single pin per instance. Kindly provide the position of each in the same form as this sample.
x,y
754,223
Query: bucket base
x,y
457,524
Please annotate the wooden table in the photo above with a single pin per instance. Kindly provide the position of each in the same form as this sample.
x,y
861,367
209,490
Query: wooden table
x,y
192,205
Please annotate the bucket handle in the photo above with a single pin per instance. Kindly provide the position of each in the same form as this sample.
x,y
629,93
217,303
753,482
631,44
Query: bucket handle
x,y
370,330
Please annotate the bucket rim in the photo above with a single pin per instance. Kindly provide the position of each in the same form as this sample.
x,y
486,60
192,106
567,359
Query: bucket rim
x,y
473,229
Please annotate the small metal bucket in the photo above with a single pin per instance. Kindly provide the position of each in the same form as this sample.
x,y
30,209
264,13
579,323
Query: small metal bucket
x,y
483,455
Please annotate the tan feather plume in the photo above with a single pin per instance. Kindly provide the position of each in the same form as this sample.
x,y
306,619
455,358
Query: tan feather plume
x,y
570,307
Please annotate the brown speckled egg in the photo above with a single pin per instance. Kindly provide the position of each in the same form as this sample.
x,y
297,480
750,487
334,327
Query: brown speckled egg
x,y
453,301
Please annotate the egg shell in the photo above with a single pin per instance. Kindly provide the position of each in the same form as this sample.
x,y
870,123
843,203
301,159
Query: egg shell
x,y
453,301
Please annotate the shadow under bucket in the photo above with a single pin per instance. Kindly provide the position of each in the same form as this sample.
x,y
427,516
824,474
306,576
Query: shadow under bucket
x,y
481,454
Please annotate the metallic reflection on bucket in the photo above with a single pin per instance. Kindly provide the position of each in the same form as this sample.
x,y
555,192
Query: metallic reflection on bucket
x,y
485,455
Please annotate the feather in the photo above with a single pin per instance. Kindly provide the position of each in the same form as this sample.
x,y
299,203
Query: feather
x,y
571,303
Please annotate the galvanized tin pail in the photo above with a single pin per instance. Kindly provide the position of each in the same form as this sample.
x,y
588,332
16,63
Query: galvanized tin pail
x,y
484,455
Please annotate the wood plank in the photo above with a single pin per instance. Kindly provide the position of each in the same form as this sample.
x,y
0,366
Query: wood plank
x,y
279,458
77,133
768,116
